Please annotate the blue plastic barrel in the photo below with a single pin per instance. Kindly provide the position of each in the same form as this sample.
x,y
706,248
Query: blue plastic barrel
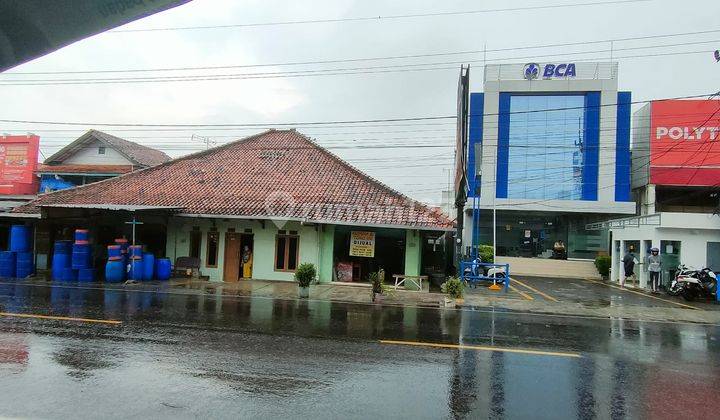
x,y
114,252
68,274
123,243
135,269
86,275
114,271
80,256
7,264
135,251
81,235
59,263
25,266
63,247
148,266
19,238
163,268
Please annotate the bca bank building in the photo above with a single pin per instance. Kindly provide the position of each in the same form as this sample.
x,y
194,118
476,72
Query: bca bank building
x,y
549,150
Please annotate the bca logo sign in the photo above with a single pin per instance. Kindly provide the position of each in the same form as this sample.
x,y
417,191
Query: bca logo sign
x,y
532,71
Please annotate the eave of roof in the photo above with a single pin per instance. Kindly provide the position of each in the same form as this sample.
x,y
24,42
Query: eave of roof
x,y
111,207
318,222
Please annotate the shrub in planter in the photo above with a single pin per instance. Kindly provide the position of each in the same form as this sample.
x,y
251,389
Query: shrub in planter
x,y
305,274
602,263
486,253
453,287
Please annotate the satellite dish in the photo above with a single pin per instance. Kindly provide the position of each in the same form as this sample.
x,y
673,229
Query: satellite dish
x,y
717,55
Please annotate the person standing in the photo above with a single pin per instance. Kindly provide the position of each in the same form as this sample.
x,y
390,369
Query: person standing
x,y
628,265
247,261
654,267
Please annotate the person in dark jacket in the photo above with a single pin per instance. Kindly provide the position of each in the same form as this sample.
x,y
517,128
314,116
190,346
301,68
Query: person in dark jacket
x,y
629,264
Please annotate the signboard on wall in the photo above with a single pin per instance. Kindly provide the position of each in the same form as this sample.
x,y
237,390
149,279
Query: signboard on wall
x,y
362,244
18,163
685,142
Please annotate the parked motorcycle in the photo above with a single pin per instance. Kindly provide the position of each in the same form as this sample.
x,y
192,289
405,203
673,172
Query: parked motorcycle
x,y
676,287
697,284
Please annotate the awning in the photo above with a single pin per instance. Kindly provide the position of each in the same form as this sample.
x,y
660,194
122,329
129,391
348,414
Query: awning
x,y
32,28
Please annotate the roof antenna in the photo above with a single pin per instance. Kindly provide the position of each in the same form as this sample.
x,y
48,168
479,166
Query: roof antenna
x,y
207,140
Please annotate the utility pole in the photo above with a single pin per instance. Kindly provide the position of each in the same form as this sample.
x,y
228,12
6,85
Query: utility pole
x,y
461,153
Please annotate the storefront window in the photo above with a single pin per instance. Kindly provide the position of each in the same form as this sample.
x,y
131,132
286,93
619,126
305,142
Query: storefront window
x,y
287,249
546,147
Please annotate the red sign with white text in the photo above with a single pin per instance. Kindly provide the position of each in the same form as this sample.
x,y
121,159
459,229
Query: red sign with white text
x,y
18,163
685,142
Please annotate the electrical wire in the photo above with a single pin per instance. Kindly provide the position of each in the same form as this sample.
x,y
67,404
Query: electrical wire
x,y
380,18
321,123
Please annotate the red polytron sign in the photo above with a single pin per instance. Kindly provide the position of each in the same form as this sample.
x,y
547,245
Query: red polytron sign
x,y
18,163
685,142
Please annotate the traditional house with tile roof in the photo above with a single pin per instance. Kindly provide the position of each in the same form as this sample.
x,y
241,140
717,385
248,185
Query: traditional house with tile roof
x,y
277,194
92,157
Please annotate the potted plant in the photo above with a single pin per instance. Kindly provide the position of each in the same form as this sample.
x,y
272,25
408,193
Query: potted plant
x,y
453,287
304,275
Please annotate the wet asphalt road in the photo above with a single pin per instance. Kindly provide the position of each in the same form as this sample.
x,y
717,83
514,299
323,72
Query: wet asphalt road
x,y
186,355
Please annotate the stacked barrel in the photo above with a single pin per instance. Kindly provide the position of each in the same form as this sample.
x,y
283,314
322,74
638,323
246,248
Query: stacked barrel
x,y
61,261
115,266
81,261
129,262
18,260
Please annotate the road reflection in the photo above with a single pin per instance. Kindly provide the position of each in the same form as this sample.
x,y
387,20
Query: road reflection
x,y
626,369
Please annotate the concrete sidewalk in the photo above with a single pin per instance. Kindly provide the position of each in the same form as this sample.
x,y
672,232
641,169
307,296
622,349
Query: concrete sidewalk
x,y
569,297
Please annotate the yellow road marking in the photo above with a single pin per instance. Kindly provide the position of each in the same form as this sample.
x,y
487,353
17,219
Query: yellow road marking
x,y
643,294
521,293
61,318
545,295
480,348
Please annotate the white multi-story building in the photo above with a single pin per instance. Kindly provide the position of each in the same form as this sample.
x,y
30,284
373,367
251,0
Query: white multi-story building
x,y
549,149
675,179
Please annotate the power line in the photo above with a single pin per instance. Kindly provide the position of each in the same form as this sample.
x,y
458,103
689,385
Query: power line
x,y
393,57
416,67
321,123
381,18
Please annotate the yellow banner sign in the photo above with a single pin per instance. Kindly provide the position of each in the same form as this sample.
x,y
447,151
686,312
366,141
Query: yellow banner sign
x,y
362,244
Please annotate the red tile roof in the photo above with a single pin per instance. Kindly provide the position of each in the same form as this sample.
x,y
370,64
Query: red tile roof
x,y
275,174
84,169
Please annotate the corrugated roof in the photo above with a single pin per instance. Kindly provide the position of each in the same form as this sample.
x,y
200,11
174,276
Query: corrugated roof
x,y
272,175
137,153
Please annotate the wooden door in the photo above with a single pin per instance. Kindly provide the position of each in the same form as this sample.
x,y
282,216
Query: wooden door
x,y
231,268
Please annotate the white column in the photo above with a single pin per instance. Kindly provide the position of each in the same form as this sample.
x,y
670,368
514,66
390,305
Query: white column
x,y
643,273
621,270
614,262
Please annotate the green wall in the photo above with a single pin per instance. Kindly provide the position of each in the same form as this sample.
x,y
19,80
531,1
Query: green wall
x,y
413,250
327,245
316,246
178,244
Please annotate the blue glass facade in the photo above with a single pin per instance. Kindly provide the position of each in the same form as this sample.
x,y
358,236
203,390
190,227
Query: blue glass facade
x,y
545,147
548,146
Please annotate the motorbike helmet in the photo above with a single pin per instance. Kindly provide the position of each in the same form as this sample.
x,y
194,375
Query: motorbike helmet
x,y
654,250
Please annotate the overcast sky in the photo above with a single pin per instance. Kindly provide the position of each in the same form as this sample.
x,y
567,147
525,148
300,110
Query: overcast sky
x,y
420,172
